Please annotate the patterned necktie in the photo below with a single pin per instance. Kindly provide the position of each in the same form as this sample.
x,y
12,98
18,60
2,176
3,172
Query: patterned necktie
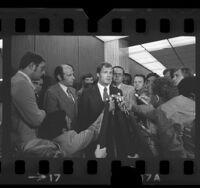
x,y
70,95
105,94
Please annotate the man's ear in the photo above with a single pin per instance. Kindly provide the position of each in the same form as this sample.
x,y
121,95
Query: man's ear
x,y
59,77
32,66
157,98
97,75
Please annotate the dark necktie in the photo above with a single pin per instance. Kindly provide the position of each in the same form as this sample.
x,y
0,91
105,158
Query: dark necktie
x,y
70,95
105,94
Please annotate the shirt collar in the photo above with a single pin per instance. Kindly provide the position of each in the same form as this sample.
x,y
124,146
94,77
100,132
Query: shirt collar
x,y
102,87
119,86
63,86
27,77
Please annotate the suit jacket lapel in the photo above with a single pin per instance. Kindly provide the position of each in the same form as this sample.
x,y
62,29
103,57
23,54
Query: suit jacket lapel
x,y
75,98
63,95
97,95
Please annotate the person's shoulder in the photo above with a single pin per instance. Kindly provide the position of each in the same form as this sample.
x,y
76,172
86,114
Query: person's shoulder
x,y
53,87
90,90
18,80
115,89
128,87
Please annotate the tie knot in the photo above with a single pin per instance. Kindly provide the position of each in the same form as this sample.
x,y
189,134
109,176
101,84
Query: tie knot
x,y
105,89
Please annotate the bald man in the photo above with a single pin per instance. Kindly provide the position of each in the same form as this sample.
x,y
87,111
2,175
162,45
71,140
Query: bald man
x,y
62,96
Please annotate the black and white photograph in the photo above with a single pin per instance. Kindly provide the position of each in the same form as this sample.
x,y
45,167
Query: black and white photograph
x,y
102,97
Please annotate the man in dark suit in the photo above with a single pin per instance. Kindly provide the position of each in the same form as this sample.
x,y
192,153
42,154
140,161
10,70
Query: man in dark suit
x,y
93,101
62,96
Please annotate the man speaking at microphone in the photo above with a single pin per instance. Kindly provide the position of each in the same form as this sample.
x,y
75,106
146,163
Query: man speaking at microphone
x,y
93,102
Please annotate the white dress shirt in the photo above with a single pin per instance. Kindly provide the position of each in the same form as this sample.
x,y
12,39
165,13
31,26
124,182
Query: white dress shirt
x,y
119,86
64,88
101,89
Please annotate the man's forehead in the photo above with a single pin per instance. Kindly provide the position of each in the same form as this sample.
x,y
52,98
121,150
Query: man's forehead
x,y
139,78
67,68
118,70
106,68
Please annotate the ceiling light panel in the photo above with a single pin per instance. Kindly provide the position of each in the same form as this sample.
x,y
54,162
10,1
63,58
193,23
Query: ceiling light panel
x,y
110,38
157,45
182,41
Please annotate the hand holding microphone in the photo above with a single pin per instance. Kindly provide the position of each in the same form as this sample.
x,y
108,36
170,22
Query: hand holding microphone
x,y
100,153
122,104
142,98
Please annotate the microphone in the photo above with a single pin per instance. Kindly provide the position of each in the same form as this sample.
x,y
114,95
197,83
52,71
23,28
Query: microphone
x,y
141,99
120,99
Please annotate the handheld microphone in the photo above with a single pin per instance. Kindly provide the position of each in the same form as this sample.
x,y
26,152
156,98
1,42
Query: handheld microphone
x,y
141,99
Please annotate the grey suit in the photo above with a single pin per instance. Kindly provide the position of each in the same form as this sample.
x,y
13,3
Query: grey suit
x,y
26,116
26,119
128,93
56,99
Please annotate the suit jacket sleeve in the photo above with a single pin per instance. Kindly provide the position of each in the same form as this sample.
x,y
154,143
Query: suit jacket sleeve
x,y
72,142
147,111
25,102
50,102
130,98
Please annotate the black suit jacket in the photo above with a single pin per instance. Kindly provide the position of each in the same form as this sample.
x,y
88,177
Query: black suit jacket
x,y
91,105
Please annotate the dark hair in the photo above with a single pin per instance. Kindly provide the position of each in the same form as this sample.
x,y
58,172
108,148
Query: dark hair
x,y
187,87
152,74
171,71
28,58
119,68
186,72
88,75
129,76
59,71
165,88
139,75
104,64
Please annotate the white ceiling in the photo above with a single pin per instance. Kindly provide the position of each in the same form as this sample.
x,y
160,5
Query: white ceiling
x,y
171,53
180,56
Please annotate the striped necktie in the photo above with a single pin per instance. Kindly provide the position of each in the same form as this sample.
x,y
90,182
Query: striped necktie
x,y
70,95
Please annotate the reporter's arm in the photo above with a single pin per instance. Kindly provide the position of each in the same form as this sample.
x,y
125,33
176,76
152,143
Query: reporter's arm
x,y
147,110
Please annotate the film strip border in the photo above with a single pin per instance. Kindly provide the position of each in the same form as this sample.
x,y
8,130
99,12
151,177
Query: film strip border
x,y
142,23
92,26
70,171
117,22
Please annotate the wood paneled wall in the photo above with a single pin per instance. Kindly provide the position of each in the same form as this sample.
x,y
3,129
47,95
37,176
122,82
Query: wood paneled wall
x,y
111,51
123,55
83,52
20,45
116,53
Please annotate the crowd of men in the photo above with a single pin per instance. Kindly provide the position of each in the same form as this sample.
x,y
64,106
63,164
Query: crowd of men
x,y
111,116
